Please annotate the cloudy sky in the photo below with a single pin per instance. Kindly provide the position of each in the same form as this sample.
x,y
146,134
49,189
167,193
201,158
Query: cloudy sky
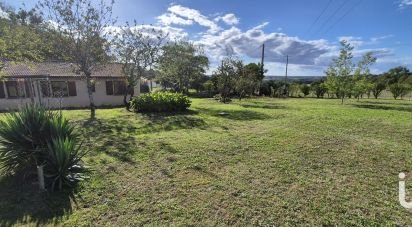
x,y
308,31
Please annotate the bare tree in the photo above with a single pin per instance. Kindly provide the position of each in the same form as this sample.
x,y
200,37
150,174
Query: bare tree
x,y
82,25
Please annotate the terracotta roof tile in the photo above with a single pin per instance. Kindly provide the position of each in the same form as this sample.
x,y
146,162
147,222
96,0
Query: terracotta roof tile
x,y
54,69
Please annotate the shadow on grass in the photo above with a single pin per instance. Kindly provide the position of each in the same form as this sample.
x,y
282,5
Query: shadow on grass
x,y
383,107
117,136
239,115
22,202
261,105
400,103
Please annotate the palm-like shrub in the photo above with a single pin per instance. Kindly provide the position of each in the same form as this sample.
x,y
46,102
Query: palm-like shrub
x,y
22,138
35,136
160,102
64,163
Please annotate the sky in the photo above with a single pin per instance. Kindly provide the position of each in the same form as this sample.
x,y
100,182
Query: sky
x,y
307,31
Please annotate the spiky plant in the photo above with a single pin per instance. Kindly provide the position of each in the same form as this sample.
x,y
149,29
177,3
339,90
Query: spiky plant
x,y
36,136
23,135
64,165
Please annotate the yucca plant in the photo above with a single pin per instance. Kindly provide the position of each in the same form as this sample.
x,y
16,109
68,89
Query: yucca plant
x,y
35,136
23,135
64,165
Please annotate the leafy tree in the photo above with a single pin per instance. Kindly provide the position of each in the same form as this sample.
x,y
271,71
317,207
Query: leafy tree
x,y
82,23
180,64
294,89
378,85
398,81
305,89
20,40
339,72
318,88
227,75
137,52
249,80
362,79
399,89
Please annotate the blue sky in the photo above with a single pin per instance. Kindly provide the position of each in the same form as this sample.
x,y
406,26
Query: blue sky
x,y
308,31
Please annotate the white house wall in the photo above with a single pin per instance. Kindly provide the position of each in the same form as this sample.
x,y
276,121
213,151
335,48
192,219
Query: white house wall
x,y
81,100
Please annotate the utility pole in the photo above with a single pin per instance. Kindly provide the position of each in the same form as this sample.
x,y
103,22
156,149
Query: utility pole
x,y
263,59
262,69
286,76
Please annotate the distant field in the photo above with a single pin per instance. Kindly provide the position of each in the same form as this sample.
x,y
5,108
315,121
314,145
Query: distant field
x,y
268,162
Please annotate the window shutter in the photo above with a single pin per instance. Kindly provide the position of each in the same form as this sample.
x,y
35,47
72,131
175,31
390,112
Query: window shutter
x,y
2,92
72,88
109,87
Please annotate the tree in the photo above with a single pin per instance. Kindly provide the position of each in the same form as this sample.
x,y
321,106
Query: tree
x,y
398,81
399,89
180,64
227,75
250,78
82,24
137,52
318,88
339,72
362,80
378,85
19,42
305,89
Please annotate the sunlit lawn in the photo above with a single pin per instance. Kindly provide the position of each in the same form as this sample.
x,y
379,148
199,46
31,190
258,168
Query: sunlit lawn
x,y
269,161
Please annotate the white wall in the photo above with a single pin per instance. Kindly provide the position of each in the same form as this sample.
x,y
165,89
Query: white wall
x,y
79,101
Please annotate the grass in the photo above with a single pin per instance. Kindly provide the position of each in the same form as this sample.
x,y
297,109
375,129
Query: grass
x,y
269,161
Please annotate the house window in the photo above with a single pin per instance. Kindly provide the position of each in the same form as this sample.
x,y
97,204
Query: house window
x,y
116,87
29,89
59,89
2,92
15,89
45,88
63,88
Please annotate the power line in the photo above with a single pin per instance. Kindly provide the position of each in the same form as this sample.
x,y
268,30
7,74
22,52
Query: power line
x,y
344,15
331,16
319,16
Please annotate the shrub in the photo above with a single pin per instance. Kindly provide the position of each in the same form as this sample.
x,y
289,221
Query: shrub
x,y
160,102
64,163
26,138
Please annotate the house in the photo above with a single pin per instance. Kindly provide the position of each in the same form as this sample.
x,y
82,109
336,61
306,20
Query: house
x,y
58,85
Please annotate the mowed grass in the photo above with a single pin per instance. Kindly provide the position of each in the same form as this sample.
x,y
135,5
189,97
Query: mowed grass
x,y
268,162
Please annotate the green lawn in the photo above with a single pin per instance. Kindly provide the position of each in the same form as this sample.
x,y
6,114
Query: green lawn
x,y
269,161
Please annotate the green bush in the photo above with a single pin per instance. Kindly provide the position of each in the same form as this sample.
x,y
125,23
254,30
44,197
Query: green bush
x,y
160,102
26,138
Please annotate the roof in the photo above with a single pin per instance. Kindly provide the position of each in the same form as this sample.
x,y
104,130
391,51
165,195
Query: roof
x,y
56,69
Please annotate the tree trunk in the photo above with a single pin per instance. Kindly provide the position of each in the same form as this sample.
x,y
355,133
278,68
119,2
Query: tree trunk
x,y
91,99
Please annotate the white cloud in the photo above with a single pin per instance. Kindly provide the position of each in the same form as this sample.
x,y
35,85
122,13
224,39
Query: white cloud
x,y
4,14
194,15
306,57
229,19
170,18
278,45
405,3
